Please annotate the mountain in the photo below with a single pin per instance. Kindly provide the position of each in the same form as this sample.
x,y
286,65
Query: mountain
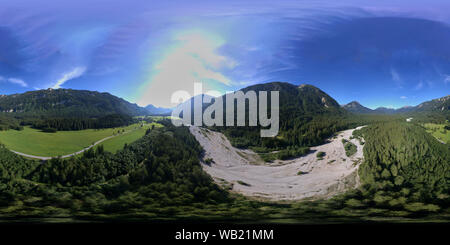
x,y
440,104
194,107
300,100
307,116
356,107
303,100
158,111
384,110
437,105
67,103
405,109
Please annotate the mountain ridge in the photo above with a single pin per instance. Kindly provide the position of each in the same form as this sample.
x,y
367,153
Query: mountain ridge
x,y
157,111
434,105
67,103
356,107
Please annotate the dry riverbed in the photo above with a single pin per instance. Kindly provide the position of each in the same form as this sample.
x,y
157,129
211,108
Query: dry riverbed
x,y
244,172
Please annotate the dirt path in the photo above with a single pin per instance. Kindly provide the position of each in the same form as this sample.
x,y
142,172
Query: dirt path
x,y
244,172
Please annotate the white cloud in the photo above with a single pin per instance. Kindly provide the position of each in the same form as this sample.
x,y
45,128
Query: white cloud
x,y
447,79
192,59
13,80
403,97
419,86
395,76
18,82
77,72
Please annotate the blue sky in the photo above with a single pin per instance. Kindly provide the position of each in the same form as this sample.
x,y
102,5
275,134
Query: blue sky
x,y
380,53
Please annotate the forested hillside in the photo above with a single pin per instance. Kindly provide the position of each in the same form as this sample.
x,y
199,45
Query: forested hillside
x,y
66,103
402,159
9,123
405,173
356,107
159,177
70,124
308,116
155,174
66,109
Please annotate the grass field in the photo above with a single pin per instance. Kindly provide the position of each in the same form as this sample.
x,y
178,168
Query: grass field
x,y
117,143
34,142
438,131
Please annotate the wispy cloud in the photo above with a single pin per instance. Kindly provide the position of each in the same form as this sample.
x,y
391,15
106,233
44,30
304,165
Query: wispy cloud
x,y
447,79
77,72
419,86
18,82
395,76
403,97
13,80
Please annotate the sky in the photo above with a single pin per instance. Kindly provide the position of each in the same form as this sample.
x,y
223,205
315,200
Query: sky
x,y
388,53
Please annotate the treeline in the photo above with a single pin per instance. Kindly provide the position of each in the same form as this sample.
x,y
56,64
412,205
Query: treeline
x,y
152,157
7,122
69,124
160,170
430,117
307,117
301,131
405,171
159,177
403,155
13,166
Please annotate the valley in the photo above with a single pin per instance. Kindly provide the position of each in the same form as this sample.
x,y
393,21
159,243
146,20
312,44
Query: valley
x,y
326,164
242,171
225,121
41,145
440,131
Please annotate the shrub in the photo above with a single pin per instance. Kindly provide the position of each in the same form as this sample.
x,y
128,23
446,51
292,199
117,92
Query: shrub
x,y
243,183
320,155
49,130
208,161
350,149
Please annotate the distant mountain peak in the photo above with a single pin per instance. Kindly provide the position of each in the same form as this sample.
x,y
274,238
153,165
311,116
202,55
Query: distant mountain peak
x,y
304,85
307,86
440,104
357,108
154,110
353,103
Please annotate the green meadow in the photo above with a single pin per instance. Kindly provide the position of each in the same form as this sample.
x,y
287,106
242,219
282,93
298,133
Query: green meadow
x,y
35,142
117,143
438,131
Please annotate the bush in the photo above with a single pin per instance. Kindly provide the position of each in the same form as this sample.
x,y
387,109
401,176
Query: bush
x,y
350,149
208,161
320,155
243,183
49,130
